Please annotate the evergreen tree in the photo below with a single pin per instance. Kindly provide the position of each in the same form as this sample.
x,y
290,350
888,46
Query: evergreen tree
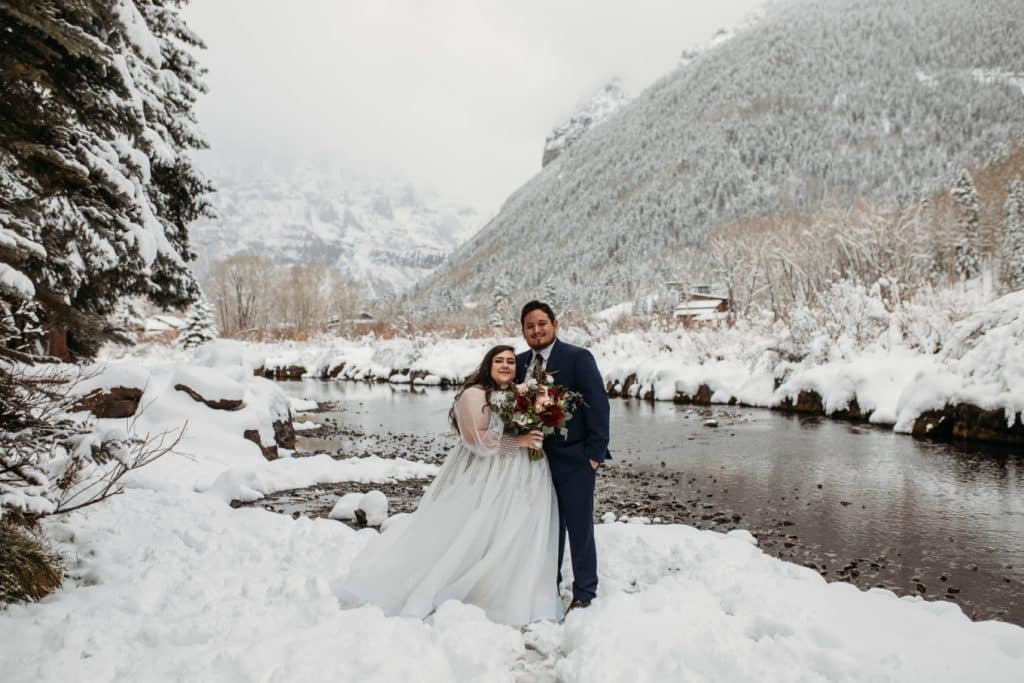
x,y
1013,251
96,186
553,297
968,262
500,297
200,326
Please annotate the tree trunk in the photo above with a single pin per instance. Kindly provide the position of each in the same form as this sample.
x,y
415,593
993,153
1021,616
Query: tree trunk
x,y
58,344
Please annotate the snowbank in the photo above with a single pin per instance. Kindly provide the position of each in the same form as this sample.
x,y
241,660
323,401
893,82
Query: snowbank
x,y
173,586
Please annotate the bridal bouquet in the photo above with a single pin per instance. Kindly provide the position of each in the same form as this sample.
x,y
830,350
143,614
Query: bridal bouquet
x,y
537,403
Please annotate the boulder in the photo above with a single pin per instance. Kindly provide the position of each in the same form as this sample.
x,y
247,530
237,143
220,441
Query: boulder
x,y
968,422
211,387
284,433
807,401
111,403
345,507
289,372
852,412
703,395
374,506
269,452
216,403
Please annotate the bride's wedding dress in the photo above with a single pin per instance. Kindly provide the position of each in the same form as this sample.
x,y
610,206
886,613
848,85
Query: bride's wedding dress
x,y
485,533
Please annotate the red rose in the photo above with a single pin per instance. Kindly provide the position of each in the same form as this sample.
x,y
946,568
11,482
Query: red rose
x,y
522,403
553,416
555,394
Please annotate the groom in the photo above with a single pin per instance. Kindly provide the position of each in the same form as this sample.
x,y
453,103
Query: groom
x,y
574,458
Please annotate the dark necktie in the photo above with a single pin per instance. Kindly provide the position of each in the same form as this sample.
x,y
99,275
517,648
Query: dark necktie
x,y
538,368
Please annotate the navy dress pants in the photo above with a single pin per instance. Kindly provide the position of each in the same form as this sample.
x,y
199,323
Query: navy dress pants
x,y
575,491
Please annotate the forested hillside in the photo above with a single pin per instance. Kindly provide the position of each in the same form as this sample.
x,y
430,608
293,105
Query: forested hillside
x,y
819,104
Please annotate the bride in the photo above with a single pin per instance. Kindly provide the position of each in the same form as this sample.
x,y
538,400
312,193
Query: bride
x,y
486,529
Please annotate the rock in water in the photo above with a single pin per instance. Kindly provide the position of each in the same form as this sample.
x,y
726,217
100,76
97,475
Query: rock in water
x,y
375,505
345,508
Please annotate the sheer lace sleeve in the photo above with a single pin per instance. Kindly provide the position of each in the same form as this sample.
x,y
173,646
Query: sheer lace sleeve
x,y
480,431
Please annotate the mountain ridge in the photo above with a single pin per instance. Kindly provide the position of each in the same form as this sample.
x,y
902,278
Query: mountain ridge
x,y
815,103
384,233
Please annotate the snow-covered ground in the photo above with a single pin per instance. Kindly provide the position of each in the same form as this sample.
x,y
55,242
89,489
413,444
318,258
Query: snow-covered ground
x,y
168,582
179,586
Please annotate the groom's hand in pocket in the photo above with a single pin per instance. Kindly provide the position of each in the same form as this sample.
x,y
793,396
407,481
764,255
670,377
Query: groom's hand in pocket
x,y
595,464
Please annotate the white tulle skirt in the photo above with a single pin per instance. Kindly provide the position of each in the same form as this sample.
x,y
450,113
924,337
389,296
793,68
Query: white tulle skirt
x,y
485,533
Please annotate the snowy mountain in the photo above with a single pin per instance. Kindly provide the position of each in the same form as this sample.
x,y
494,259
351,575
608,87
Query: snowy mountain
x,y
818,103
594,111
383,232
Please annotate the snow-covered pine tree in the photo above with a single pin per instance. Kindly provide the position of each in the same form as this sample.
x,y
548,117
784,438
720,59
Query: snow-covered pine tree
x,y
500,297
965,194
96,186
1013,249
552,296
200,326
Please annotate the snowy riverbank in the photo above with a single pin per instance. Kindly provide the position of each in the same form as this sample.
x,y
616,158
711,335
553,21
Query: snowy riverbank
x,y
168,582
907,369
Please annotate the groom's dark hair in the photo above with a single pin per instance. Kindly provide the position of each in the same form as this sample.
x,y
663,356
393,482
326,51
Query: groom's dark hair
x,y
536,306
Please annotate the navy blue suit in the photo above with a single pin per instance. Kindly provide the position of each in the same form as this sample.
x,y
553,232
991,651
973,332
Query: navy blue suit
x,y
569,457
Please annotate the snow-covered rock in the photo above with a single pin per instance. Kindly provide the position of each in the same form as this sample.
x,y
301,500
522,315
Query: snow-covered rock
x,y
345,508
595,110
301,405
208,386
374,506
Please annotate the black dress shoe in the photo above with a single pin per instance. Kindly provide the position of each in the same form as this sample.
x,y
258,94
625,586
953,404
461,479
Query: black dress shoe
x,y
578,604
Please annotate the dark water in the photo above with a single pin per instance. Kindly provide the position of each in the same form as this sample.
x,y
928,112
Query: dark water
x,y
861,503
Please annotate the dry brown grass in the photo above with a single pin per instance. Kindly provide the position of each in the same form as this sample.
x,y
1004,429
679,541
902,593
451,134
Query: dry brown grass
x,y
169,337
29,570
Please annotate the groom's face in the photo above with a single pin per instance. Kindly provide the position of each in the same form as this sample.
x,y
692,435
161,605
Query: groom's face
x,y
539,330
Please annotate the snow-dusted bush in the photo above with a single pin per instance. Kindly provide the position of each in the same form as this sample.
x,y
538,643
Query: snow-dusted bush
x,y
52,459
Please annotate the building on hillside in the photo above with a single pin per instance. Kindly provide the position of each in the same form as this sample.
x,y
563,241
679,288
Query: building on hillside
x,y
699,302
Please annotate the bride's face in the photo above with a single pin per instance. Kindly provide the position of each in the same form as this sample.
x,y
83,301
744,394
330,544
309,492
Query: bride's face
x,y
503,368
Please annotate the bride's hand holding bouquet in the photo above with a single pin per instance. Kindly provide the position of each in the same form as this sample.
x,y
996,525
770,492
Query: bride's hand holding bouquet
x,y
536,405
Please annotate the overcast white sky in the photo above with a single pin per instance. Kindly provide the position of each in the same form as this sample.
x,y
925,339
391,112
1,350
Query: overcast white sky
x,y
454,94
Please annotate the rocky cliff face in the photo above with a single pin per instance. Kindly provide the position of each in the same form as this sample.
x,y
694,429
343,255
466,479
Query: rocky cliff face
x,y
383,232
593,112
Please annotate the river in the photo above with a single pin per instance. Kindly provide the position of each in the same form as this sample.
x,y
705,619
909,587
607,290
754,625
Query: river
x,y
857,503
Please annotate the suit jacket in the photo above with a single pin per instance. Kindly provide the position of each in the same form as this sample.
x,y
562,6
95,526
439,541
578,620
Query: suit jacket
x,y
587,432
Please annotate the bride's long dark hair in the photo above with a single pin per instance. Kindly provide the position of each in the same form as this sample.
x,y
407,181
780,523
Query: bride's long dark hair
x,y
481,377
